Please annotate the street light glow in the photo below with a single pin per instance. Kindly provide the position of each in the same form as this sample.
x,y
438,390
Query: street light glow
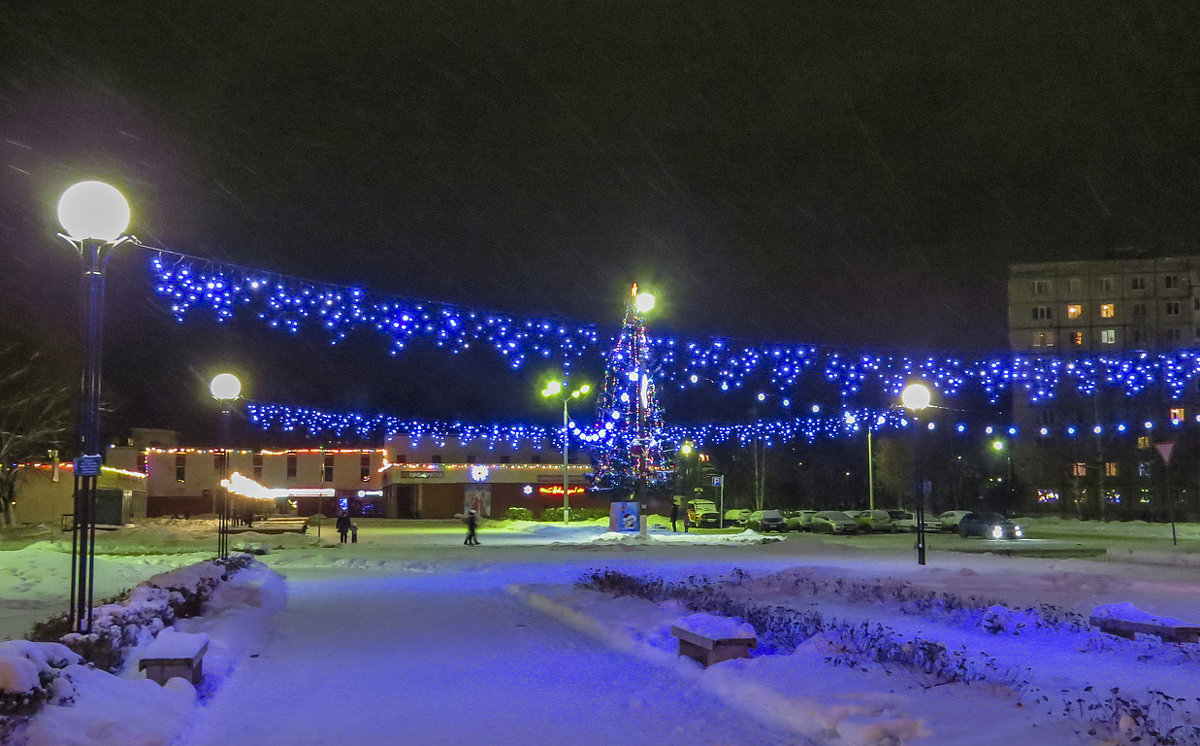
x,y
915,396
93,209
644,302
225,387
552,388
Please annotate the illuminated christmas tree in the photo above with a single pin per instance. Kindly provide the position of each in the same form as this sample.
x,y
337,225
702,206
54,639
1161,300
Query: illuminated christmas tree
x,y
629,418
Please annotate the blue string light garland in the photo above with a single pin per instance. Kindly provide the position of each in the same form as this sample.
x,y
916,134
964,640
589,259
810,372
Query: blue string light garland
x,y
191,286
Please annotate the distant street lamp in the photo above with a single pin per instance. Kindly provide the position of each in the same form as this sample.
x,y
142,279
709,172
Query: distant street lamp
x,y
226,389
558,390
852,421
915,398
94,217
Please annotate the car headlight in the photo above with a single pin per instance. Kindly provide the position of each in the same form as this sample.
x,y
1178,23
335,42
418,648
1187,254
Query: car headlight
x,y
1017,532
997,532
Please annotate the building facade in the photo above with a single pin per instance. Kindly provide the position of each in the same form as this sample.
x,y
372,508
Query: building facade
x,y
1100,453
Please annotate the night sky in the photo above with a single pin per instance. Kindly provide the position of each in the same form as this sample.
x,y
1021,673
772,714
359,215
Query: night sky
x,y
854,174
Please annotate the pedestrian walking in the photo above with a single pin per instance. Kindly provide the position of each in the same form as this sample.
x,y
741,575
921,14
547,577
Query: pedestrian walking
x,y
343,526
687,521
674,516
472,520
353,533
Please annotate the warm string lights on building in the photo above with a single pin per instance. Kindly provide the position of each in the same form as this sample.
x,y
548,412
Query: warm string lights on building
x,y
191,286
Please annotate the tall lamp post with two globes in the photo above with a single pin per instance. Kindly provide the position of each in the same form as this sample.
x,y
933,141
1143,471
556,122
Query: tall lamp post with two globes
x,y
226,389
916,398
558,390
94,216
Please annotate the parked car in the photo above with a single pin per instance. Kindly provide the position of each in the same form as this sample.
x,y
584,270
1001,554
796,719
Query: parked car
x,y
873,521
903,521
703,513
948,521
737,517
766,520
989,526
833,522
799,520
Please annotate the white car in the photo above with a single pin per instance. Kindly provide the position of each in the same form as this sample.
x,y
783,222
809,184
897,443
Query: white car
x,y
903,521
948,521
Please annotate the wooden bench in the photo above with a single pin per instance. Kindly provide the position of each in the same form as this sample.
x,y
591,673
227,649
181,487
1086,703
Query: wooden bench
x,y
1127,629
284,525
708,650
182,657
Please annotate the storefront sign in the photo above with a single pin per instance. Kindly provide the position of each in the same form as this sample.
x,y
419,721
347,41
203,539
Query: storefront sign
x,y
556,489
414,474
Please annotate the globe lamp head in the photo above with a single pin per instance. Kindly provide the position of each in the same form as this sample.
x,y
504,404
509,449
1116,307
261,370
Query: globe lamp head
x,y
93,209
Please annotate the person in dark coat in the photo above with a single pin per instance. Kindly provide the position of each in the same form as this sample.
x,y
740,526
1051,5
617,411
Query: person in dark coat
x,y
674,515
343,526
472,520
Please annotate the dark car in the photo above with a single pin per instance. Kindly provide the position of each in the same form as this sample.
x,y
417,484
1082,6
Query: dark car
x,y
988,526
766,520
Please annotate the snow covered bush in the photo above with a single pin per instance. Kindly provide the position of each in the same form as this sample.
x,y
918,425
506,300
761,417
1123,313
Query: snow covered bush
x,y
138,615
517,513
28,679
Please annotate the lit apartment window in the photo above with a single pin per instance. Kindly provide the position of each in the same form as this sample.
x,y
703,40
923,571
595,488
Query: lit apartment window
x,y
1041,313
327,468
1074,311
1144,442
1174,308
1077,338
1107,310
1043,339
1175,413
1106,284
291,466
1110,468
1041,287
1108,336
1137,283
1075,286
1138,309
1171,282
1079,469
180,468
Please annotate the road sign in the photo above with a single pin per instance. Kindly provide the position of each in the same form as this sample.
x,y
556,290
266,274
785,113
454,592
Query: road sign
x,y
87,466
1165,450
718,481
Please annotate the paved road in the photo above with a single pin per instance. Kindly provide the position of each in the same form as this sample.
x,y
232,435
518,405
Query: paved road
x,y
448,657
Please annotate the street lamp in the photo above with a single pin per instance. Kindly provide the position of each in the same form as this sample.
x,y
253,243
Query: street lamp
x,y
558,389
94,217
852,421
226,389
915,398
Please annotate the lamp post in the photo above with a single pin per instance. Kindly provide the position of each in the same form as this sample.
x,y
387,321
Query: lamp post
x,y
94,217
225,388
915,398
643,303
852,421
558,389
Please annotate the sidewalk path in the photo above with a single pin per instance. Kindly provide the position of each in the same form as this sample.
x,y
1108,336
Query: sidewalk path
x,y
447,657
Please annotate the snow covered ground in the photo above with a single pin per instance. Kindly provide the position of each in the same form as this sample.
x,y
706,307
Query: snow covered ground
x,y
411,637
